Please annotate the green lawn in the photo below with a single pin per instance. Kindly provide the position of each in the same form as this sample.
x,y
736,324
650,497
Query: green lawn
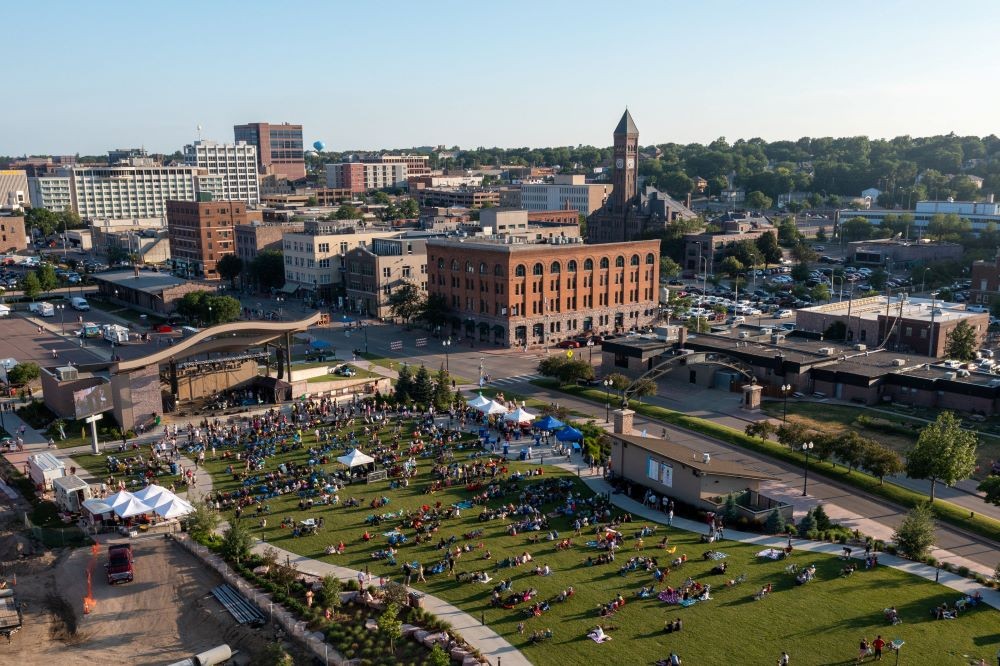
x,y
394,363
362,374
817,623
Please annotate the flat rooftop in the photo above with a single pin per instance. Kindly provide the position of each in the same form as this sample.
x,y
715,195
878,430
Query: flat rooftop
x,y
873,307
144,281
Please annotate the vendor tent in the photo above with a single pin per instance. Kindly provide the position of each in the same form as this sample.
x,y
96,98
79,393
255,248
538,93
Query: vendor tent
x,y
319,344
493,407
97,507
119,498
478,401
519,415
150,493
355,458
549,423
133,507
569,434
175,508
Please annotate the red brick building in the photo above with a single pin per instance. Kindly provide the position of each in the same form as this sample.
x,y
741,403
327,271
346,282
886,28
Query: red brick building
x,y
513,293
201,233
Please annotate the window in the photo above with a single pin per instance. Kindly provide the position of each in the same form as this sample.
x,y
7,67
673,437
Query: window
x,y
441,263
650,259
386,272
555,268
454,264
498,270
571,266
619,261
468,267
406,272
482,268
604,263
588,264
519,271
634,261
324,247
537,269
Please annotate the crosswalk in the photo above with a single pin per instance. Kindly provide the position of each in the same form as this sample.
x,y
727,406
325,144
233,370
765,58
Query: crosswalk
x,y
507,381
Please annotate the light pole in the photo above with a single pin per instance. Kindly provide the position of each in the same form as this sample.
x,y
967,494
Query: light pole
x,y
930,349
785,388
447,357
279,300
923,278
481,361
62,317
364,327
806,448
590,347
607,400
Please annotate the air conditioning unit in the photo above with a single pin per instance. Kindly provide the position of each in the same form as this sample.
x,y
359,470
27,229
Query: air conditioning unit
x,y
950,376
860,347
744,335
826,351
706,458
898,362
67,374
777,338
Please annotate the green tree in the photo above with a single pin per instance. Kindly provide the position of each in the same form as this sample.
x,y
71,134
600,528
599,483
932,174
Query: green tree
x,y
221,309
442,389
821,292
380,198
312,202
804,253
821,234
642,387
669,268
202,522
404,384
763,429
822,520
406,301
850,450
230,267
757,200
47,278
566,370
347,212
23,373
236,541
423,387
435,310
769,248
855,229
800,272
915,534
775,523
268,269
877,279
272,655
389,625
948,227
991,487
791,434
788,232
730,510
32,289
747,253
880,461
330,591
808,526
961,342
438,657
943,452
409,209
731,266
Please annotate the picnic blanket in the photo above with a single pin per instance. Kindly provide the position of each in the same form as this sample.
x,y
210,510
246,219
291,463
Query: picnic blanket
x,y
464,504
771,553
391,533
592,544
716,555
688,602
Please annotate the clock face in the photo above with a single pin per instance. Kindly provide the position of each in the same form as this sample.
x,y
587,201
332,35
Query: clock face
x,y
619,163
631,163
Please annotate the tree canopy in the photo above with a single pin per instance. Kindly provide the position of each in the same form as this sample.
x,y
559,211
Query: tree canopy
x,y
209,309
267,269
961,342
406,301
943,452
230,267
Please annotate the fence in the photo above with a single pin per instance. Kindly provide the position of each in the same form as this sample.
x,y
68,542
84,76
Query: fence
x,y
276,613
57,537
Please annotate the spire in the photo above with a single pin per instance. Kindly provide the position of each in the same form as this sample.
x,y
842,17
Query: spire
x,y
626,125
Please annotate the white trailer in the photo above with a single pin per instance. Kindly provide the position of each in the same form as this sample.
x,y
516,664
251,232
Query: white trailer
x,y
44,468
115,333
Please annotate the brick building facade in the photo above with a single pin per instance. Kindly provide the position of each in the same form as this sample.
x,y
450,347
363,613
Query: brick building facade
x,y
513,293
201,233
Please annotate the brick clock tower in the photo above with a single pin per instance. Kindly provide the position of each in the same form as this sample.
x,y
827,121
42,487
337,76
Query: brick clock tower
x,y
626,155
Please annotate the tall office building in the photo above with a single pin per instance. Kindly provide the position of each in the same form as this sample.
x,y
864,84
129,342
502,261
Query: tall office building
x,y
201,233
120,192
279,148
235,162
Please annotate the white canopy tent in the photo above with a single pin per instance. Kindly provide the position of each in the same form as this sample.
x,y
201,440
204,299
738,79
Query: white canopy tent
x,y
97,507
519,415
134,507
478,402
167,497
150,493
355,459
493,407
119,498
174,508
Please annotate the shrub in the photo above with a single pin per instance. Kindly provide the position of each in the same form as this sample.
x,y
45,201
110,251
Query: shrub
x,y
915,534
822,520
963,571
775,523
808,524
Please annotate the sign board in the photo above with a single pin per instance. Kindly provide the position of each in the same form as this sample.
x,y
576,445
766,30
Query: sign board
x,y
93,400
396,345
421,342
569,353
380,475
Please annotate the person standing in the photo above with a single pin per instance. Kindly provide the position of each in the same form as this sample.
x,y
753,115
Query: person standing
x,y
878,644
862,649
783,661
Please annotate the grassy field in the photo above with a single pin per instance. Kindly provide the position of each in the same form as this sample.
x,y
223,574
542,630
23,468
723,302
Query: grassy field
x,y
819,623
393,364
362,374
897,430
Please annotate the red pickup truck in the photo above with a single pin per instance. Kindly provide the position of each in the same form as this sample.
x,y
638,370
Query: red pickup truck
x,y
119,566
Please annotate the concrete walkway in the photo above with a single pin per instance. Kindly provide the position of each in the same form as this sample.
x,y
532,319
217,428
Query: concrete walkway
x,y
958,583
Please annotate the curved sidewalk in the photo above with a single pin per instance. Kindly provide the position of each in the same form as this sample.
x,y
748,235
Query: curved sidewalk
x,y
958,583
492,646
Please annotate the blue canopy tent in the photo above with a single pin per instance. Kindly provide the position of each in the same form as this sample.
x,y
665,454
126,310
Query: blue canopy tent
x,y
549,423
569,434
319,344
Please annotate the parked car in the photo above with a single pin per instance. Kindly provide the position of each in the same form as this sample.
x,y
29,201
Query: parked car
x,y
568,344
783,314
120,564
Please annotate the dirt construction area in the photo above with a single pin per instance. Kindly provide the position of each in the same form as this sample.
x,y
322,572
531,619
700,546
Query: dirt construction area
x,y
166,614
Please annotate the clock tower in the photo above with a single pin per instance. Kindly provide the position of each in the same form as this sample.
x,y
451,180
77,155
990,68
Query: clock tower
x,y
626,156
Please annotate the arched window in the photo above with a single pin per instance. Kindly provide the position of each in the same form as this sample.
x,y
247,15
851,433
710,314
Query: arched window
x,y
468,267
454,264
571,266
440,263
538,269
634,261
519,271
619,261
605,263
588,264
498,270
650,259
483,269
555,268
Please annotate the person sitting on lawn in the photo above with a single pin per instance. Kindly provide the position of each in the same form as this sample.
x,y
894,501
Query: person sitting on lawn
x,y
366,537
719,568
598,635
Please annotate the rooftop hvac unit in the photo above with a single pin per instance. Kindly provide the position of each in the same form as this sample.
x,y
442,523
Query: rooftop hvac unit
x,y
826,351
950,375
67,374
860,347
744,335
898,362
706,458
777,338
963,373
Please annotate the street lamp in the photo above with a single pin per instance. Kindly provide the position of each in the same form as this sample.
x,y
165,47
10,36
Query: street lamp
x,y
930,349
806,448
482,360
607,400
923,279
364,327
785,388
590,347
447,347
62,317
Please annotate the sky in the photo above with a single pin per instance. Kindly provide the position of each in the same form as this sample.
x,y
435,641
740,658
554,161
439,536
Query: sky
x,y
88,77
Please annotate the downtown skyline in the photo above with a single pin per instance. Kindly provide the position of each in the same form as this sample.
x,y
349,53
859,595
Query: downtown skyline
x,y
539,75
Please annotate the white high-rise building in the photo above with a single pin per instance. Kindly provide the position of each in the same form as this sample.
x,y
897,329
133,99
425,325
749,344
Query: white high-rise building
x,y
51,192
126,192
235,162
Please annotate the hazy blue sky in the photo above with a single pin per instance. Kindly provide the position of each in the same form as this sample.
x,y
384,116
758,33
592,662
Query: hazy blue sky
x,y
89,76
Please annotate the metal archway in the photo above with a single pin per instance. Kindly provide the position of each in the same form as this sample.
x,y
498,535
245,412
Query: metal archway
x,y
700,358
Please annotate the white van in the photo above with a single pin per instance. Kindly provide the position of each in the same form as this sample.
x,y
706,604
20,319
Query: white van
x,y
79,303
42,308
